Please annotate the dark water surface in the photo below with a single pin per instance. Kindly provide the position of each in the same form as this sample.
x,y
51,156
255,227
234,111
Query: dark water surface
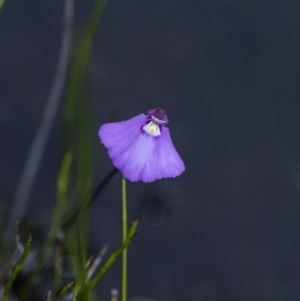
x,y
228,74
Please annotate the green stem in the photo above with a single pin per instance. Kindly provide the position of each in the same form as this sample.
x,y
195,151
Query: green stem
x,y
124,236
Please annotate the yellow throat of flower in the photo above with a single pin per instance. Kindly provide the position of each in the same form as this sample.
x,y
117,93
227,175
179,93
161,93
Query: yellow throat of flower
x,y
152,128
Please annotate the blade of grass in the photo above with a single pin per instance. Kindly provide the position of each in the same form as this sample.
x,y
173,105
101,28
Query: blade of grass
x,y
63,185
79,68
84,171
18,267
113,257
61,291
77,134
82,278
61,208
1,3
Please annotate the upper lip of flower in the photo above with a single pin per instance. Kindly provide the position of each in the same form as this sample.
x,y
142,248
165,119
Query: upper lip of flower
x,y
158,121
158,115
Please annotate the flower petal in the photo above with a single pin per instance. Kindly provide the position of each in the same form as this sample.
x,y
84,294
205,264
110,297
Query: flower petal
x,y
133,161
150,158
166,162
139,155
118,136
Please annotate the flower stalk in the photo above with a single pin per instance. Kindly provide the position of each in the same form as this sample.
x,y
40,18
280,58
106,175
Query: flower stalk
x,y
124,237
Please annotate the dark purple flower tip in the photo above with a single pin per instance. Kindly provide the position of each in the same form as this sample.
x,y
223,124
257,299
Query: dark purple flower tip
x,y
141,147
158,115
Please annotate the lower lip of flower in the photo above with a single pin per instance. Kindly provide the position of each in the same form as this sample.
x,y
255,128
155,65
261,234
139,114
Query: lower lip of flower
x,y
152,128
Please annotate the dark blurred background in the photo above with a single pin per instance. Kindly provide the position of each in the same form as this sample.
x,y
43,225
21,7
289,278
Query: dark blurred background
x,y
227,72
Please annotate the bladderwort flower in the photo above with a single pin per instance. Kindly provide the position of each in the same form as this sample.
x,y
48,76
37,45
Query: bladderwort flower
x,y
141,147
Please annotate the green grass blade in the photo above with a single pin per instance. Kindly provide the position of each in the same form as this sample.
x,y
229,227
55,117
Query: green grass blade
x,y
62,290
82,278
63,187
67,287
61,209
79,68
113,257
78,135
18,267
1,3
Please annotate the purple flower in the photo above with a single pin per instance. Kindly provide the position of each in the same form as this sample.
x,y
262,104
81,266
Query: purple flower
x,y
141,147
